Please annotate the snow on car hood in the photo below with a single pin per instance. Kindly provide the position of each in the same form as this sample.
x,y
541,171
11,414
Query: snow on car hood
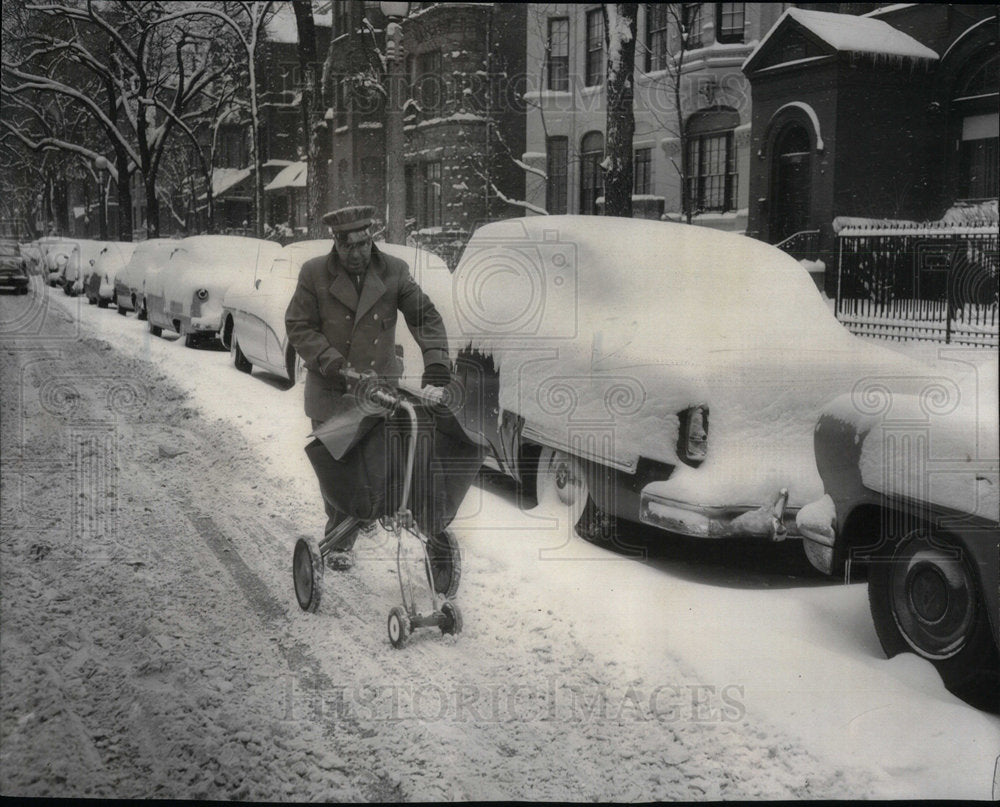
x,y
938,444
605,329
214,262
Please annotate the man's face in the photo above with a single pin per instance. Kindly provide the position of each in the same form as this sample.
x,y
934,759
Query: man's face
x,y
354,249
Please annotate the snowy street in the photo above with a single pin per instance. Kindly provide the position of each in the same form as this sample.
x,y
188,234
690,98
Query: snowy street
x,y
152,645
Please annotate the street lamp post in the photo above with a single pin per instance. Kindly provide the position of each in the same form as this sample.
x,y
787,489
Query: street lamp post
x,y
395,179
101,164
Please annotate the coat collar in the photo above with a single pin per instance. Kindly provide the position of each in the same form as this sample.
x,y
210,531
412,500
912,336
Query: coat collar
x,y
343,289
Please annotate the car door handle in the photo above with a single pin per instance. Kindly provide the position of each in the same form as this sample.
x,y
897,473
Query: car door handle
x,y
256,284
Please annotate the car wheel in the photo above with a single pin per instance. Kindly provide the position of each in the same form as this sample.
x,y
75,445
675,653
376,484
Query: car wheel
x,y
561,482
140,309
191,340
925,598
122,311
241,362
102,303
156,330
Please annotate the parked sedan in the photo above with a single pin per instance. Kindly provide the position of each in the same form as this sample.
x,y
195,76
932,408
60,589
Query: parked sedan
x,y
912,490
55,257
80,264
130,283
187,297
253,323
100,282
13,274
651,372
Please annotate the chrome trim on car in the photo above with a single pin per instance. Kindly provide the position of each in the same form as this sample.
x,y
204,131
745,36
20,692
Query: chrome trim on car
x,y
579,450
772,520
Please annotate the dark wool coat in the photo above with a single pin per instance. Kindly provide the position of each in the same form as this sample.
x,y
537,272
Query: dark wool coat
x,y
330,326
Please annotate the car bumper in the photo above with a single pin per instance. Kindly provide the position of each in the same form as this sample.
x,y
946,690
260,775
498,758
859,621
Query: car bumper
x,y
772,521
207,324
13,283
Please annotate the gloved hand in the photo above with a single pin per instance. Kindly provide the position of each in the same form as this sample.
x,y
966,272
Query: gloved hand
x,y
436,375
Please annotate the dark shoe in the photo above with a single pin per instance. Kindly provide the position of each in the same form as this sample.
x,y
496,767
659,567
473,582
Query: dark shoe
x,y
341,561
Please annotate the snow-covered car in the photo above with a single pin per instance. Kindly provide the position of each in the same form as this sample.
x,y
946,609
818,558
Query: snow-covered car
x,y
130,282
912,491
253,322
186,297
99,284
80,264
55,257
658,373
13,271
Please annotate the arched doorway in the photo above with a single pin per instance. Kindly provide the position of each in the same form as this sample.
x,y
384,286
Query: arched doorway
x,y
791,181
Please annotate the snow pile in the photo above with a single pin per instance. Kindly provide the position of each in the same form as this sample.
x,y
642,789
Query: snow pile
x,y
612,327
293,175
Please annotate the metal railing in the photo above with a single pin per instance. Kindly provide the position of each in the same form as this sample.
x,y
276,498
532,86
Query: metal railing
x,y
935,282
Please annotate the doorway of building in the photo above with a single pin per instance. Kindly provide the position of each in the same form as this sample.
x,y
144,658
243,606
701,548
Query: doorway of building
x,y
790,210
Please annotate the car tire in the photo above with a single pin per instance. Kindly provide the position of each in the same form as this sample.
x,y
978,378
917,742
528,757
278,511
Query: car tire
x,y
241,362
140,310
122,311
191,340
102,303
156,330
925,598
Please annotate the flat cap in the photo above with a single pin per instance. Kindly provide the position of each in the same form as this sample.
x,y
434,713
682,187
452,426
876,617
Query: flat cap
x,y
347,219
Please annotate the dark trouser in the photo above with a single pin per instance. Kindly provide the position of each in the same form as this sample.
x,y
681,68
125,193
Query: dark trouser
x,y
333,516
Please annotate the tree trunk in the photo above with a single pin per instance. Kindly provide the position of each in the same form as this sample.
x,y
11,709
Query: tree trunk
x,y
315,130
619,35
152,210
124,185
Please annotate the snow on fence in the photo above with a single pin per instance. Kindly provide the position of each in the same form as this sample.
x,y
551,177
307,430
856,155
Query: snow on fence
x,y
938,282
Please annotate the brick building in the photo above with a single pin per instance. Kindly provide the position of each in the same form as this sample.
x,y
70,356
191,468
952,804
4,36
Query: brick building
x,y
891,115
463,121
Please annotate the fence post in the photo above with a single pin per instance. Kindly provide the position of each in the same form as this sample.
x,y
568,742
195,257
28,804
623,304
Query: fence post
x,y
840,272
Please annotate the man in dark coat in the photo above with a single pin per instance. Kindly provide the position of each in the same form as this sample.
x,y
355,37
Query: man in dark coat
x,y
343,315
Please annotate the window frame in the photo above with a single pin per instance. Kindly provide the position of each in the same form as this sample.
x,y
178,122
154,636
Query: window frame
x,y
561,59
704,184
642,166
657,38
595,66
432,209
691,16
734,10
557,181
591,159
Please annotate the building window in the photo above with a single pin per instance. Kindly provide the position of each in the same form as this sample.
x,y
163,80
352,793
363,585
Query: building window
x,y
643,172
595,47
557,54
428,89
591,175
656,36
431,179
710,161
729,19
557,169
975,104
691,23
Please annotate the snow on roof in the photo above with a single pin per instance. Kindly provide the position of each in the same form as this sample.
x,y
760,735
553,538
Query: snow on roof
x,y
282,28
225,178
291,176
847,33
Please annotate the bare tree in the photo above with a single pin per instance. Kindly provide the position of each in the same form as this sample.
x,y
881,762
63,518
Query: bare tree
x,y
315,130
136,70
619,38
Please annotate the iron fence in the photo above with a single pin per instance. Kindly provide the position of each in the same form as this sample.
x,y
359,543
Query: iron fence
x,y
932,282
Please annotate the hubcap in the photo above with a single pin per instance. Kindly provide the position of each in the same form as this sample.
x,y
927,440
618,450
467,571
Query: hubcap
x,y
394,628
933,596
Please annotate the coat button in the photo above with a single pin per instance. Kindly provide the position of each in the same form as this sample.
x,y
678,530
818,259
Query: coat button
x,y
347,317
374,341
375,316
371,364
